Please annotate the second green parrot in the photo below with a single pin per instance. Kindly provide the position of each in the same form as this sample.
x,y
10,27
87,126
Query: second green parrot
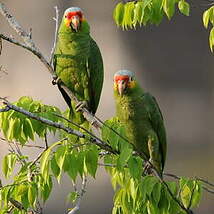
x,y
78,63
140,114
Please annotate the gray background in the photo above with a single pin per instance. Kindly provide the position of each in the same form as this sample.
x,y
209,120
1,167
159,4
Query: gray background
x,y
172,61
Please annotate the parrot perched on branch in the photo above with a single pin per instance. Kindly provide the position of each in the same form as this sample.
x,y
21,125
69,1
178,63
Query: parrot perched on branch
x,y
78,64
140,114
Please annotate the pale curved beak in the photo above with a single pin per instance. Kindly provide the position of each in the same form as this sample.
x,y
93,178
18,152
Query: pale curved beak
x,y
75,22
121,87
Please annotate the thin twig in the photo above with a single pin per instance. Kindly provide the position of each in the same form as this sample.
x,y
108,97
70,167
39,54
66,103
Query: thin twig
x,y
56,19
26,145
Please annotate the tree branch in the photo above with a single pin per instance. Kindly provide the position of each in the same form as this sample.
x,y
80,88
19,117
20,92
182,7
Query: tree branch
x,y
16,26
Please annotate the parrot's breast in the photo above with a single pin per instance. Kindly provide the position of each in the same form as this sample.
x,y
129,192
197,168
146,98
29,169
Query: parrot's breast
x,y
132,113
71,58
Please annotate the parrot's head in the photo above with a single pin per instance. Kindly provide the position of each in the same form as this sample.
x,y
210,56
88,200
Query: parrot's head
x,y
73,18
124,81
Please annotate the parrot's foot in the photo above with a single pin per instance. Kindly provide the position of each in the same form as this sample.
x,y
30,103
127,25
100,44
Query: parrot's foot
x,y
80,105
148,168
56,80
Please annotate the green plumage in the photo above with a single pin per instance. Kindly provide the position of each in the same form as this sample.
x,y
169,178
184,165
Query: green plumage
x,y
78,63
143,121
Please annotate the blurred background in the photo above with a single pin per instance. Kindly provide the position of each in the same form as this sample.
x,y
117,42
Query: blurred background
x,y
172,61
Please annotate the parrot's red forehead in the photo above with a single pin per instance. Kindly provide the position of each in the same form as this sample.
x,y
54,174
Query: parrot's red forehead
x,y
122,77
69,15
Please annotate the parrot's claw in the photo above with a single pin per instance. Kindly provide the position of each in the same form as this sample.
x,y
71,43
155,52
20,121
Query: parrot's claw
x,y
56,80
148,168
80,105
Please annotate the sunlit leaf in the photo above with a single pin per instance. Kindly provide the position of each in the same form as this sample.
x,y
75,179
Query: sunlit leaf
x,y
184,7
91,160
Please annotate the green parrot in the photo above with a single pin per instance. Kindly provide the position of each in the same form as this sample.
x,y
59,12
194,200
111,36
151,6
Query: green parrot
x,y
78,64
141,116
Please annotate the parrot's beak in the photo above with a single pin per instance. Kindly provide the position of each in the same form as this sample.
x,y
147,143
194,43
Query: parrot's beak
x,y
121,87
75,23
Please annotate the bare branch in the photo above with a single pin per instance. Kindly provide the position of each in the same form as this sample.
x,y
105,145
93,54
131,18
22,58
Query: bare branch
x,y
56,19
36,52
16,26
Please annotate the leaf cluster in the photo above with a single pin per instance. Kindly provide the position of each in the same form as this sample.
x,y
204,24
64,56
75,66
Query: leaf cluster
x,y
18,127
144,12
208,18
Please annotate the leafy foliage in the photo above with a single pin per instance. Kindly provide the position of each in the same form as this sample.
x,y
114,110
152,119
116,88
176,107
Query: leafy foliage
x,y
144,12
208,17
18,127
135,192
34,180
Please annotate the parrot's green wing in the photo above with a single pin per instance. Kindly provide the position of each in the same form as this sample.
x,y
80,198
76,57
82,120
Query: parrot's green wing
x,y
95,70
64,94
156,119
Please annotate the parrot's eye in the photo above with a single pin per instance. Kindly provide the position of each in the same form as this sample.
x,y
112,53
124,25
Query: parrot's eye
x,y
65,16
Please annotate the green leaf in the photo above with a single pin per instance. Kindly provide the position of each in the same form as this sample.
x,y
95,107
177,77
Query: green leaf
x,y
28,129
80,162
10,129
138,11
211,39
91,160
72,196
206,17
186,196
156,14
147,185
186,188
73,165
32,193
44,163
60,156
156,192
54,167
184,7
25,102
169,8
17,128
197,193
124,157
5,167
128,15
22,189
135,167
118,13
46,188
